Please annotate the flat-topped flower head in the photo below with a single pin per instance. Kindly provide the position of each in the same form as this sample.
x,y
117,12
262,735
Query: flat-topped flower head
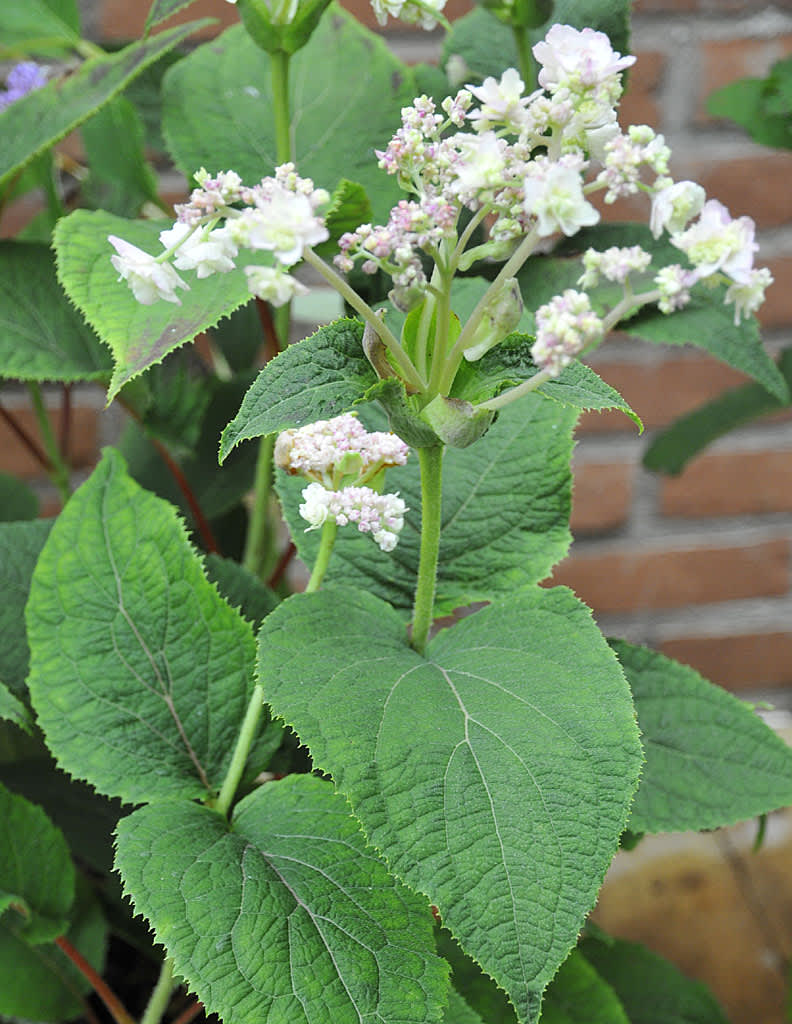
x,y
329,450
716,242
564,327
380,515
573,58
148,279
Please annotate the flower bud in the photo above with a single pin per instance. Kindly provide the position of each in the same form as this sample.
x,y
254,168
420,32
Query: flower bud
x,y
500,318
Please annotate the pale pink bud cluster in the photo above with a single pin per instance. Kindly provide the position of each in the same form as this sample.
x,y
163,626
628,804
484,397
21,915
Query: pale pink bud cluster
x,y
278,215
564,327
381,515
674,284
614,264
329,450
626,157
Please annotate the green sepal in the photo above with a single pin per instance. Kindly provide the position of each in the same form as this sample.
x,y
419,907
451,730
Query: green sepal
x,y
710,760
403,420
274,37
285,914
456,422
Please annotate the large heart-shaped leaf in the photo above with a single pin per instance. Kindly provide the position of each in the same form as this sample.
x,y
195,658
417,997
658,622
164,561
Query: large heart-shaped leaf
x,y
140,672
495,773
20,547
285,916
346,93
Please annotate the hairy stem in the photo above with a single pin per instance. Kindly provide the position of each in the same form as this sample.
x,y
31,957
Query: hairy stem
x,y
160,997
431,460
59,470
385,334
247,735
117,1009
329,530
528,66
260,534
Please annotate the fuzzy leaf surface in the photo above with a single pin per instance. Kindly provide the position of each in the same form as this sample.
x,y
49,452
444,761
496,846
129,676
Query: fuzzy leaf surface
x,y
495,773
38,27
285,916
140,671
651,989
578,995
492,541
139,336
20,547
43,117
42,336
36,872
217,105
316,379
710,761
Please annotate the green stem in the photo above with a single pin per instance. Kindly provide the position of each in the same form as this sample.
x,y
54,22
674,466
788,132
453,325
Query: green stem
x,y
439,353
279,65
329,531
431,460
507,397
528,67
59,470
386,335
258,542
160,997
239,758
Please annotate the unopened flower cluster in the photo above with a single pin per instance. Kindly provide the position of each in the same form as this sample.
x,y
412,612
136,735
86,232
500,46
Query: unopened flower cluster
x,y
342,459
25,77
223,216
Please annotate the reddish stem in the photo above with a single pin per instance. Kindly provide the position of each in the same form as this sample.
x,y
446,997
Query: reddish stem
x,y
26,440
190,1013
64,439
282,566
100,986
268,327
201,521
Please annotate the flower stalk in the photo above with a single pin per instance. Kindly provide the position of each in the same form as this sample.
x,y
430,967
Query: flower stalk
x,y
431,462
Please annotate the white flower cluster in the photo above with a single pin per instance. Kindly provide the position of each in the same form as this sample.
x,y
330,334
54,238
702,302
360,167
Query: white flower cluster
x,y
279,215
413,12
381,515
614,264
564,327
329,450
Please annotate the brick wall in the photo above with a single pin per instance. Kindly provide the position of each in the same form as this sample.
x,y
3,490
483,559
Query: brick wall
x,y
698,566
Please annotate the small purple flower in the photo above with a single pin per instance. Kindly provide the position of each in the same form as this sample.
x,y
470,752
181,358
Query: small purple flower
x,y
23,78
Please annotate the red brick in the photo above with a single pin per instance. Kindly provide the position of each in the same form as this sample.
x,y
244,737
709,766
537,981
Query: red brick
x,y
756,186
631,580
726,60
659,393
639,103
120,19
17,460
731,484
737,662
601,496
776,311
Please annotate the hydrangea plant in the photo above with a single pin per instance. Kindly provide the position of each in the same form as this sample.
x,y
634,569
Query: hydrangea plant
x,y
344,803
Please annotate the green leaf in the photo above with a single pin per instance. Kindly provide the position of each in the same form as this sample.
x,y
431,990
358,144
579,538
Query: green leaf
x,y
578,995
42,337
139,336
218,104
42,118
20,546
40,27
13,710
303,922
349,207
17,500
707,322
480,992
492,541
39,982
316,379
36,872
140,672
161,10
495,774
650,988
459,1012
673,448
744,102
509,363
242,589
710,761
121,180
